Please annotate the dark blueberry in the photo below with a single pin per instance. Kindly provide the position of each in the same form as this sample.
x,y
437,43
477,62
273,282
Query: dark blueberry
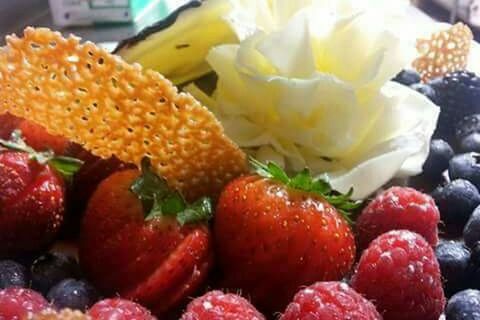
x,y
471,143
438,159
73,294
471,232
465,166
465,305
427,90
475,266
454,260
407,77
458,97
466,126
456,202
52,268
12,274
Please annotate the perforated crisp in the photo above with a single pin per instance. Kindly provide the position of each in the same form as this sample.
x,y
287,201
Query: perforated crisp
x,y
96,99
65,314
446,51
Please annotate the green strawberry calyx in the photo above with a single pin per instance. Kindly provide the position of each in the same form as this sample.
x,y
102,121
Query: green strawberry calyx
x,y
65,166
303,181
158,199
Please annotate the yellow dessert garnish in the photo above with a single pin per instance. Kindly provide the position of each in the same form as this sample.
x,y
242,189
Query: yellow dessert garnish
x,y
445,51
94,98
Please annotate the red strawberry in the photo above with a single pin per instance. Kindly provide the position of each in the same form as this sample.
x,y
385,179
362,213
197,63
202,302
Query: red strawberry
x,y
18,303
153,247
274,234
39,139
399,208
8,123
31,196
216,305
330,300
119,309
400,274
84,183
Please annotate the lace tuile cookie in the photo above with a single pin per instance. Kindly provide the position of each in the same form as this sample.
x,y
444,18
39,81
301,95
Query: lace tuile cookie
x,y
65,314
94,98
445,51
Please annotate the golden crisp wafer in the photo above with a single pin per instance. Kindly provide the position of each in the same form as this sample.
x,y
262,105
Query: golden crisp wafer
x,y
446,51
94,98
65,314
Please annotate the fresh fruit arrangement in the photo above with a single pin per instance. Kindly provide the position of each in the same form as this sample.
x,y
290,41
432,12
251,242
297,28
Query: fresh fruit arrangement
x,y
278,185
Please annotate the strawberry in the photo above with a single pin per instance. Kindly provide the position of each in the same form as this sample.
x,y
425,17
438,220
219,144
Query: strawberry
x,y
330,300
399,208
8,123
400,274
39,139
274,234
32,194
154,248
84,183
218,305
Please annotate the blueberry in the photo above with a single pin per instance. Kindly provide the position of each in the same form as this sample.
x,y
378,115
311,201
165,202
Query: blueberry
x,y
427,90
456,202
475,265
407,77
471,143
73,294
464,305
454,260
471,232
52,268
438,159
12,274
468,125
465,166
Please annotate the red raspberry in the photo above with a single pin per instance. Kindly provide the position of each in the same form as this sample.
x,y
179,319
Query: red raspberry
x,y
216,305
399,208
119,309
19,303
330,300
400,274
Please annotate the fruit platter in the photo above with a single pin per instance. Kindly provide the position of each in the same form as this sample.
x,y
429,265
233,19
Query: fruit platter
x,y
243,160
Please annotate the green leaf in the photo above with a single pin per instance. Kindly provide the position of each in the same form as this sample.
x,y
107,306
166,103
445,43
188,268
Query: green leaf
x,y
66,166
159,199
303,181
200,210
148,186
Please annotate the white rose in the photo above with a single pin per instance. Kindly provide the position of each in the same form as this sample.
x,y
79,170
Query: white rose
x,y
315,92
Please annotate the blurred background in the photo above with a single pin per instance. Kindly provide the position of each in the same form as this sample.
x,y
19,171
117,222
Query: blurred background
x,y
113,20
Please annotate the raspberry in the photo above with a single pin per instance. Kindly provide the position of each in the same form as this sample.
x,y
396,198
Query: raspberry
x,y
330,300
400,273
17,303
119,309
219,305
399,208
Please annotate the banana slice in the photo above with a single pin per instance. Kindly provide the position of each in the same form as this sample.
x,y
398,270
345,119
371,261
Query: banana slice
x,y
176,46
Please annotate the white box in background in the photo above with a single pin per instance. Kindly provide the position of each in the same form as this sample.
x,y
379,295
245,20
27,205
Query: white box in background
x,y
88,12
